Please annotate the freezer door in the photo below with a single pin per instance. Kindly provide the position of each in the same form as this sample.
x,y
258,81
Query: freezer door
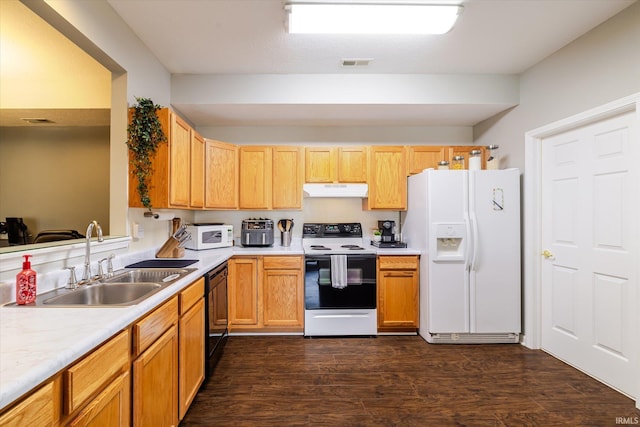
x,y
495,281
448,278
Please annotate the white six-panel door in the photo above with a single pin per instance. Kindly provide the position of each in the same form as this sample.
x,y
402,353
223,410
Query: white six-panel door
x,y
590,204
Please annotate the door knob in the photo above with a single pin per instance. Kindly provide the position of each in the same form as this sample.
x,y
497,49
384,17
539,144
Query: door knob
x,y
547,254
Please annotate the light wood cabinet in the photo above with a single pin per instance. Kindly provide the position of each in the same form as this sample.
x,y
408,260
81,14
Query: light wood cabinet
x,y
287,178
180,162
320,164
110,408
198,150
387,178
91,374
243,292
155,370
221,175
191,338
423,157
352,164
270,177
37,410
398,293
266,294
255,177
336,164
170,181
283,292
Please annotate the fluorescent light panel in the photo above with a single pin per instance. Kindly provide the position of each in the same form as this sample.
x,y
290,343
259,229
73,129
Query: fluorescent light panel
x,y
342,18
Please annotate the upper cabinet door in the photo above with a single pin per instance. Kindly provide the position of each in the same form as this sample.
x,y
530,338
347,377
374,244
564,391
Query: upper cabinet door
x,y
287,178
221,175
423,157
352,164
387,178
180,161
197,170
255,177
320,164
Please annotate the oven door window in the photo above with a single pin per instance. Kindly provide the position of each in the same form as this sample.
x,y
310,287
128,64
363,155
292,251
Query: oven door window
x,y
360,291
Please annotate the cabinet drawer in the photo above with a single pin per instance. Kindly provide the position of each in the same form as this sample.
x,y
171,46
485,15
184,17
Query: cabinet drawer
x,y
282,262
147,330
406,262
110,407
91,374
191,295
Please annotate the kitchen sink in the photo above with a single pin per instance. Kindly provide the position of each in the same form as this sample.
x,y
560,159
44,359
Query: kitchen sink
x,y
106,294
126,287
143,275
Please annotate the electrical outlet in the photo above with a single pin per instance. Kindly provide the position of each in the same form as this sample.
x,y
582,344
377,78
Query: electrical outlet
x,y
137,230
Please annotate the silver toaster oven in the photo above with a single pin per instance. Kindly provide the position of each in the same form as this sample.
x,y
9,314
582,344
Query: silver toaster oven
x,y
257,232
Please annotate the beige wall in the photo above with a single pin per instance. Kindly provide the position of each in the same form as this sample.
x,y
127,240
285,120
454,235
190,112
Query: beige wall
x,y
599,67
55,177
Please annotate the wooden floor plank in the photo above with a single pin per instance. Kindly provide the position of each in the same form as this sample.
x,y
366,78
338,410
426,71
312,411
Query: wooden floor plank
x,y
397,381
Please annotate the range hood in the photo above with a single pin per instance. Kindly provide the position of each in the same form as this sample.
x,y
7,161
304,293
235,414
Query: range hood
x,y
336,190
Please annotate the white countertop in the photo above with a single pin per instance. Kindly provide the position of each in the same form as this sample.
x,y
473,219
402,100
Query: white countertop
x,y
38,342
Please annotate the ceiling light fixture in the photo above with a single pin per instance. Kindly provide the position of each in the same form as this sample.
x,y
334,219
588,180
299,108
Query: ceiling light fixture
x,y
371,18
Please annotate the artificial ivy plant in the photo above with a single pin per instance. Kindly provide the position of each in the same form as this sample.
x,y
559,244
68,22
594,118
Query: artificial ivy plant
x,y
144,135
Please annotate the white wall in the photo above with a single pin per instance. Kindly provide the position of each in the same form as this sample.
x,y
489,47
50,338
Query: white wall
x,y
601,66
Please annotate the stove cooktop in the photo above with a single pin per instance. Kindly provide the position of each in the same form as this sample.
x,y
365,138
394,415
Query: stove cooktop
x,y
334,238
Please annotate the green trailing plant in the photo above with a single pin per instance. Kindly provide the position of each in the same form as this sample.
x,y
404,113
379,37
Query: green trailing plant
x,y
145,134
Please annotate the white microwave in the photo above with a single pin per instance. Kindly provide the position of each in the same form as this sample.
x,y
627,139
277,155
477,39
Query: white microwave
x,y
209,236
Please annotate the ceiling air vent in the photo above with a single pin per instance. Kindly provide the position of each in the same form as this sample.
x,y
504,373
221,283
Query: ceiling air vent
x,y
356,62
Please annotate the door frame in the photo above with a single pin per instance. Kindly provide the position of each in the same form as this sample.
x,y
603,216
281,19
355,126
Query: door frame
x,y
532,213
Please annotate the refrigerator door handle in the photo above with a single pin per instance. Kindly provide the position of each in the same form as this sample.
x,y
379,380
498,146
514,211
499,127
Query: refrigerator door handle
x,y
474,256
467,255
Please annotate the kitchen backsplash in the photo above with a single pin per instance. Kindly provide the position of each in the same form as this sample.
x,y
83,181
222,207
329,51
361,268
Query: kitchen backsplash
x,y
314,210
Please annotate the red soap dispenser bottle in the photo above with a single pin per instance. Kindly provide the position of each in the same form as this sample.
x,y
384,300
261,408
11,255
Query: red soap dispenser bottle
x,y
26,283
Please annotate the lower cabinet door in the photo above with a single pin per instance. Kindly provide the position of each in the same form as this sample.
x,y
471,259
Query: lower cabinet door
x,y
283,299
109,408
35,411
155,383
192,350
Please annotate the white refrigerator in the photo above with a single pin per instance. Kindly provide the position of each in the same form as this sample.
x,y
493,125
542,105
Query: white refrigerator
x,y
467,225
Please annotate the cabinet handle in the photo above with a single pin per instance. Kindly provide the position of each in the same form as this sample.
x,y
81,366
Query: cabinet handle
x,y
400,274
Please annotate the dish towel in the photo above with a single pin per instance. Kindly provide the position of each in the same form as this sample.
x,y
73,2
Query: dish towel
x,y
339,271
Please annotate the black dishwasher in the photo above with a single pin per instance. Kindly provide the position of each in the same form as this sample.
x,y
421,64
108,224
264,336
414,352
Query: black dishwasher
x,y
216,318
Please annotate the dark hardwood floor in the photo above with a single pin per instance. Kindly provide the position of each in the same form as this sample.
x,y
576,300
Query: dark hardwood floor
x,y
398,381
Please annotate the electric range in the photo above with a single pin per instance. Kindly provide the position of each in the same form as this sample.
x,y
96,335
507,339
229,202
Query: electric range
x,y
340,281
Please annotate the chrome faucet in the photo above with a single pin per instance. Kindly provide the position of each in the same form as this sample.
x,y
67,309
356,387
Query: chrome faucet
x,y
86,277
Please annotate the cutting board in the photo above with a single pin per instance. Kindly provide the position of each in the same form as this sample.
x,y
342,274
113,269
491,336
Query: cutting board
x,y
163,263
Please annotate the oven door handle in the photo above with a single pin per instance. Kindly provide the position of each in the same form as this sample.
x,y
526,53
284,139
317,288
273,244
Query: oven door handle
x,y
340,316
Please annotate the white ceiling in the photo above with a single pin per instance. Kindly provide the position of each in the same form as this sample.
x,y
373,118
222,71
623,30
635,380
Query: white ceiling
x,y
248,37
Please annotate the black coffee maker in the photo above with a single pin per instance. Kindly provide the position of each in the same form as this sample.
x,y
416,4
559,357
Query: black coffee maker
x,y
387,229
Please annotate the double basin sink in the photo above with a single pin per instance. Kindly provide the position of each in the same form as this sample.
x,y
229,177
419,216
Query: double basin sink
x,y
128,287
